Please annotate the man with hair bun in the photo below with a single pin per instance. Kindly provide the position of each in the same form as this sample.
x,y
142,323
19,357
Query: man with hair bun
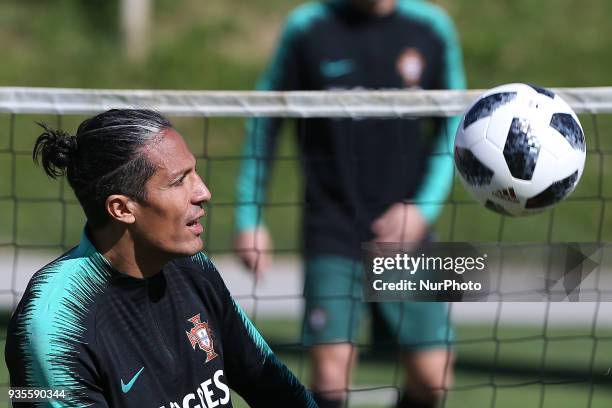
x,y
136,315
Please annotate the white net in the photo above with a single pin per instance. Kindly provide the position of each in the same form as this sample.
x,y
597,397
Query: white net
x,y
542,355
282,104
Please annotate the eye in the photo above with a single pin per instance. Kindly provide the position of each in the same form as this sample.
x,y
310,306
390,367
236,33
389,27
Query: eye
x,y
179,182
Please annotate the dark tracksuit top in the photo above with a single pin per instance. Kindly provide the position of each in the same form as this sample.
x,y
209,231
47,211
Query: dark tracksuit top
x,y
176,340
355,169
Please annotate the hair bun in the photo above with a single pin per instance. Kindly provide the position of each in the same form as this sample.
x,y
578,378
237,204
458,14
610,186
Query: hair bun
x,y
56,149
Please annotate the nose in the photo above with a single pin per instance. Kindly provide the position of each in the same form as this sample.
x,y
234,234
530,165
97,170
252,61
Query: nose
x,y
201,192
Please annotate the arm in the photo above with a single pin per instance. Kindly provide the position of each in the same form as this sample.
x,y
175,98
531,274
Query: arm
x,y
409,222
251,367
438,178
253,241
35,359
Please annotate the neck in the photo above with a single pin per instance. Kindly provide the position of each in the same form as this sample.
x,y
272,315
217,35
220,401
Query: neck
x,y
384,8
118,246
380,8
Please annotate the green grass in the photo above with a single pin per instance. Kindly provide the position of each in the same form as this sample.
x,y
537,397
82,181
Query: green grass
x,y
500,369
480,392
508,345
223,44
504,365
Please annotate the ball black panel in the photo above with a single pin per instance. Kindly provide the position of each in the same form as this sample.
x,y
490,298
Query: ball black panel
x,y
543,91
554,193
486,106
496,207
565,124
472,169
521,149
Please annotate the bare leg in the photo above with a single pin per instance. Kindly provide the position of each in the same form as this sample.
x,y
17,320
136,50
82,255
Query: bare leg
x,y
332,366
428,374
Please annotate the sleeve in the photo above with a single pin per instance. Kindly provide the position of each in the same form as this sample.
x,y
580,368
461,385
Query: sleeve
x,y
251,367
283,74
35,359
438,178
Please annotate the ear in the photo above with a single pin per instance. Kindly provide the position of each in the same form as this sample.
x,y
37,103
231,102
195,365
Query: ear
x,y
120,208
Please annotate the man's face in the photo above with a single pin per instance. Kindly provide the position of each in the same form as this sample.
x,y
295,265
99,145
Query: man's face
x,y
168,222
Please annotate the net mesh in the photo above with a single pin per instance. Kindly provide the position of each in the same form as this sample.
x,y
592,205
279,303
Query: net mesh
x,y
540,355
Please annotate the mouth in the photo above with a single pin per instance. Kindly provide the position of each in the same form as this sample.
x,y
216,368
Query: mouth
x,y
194,224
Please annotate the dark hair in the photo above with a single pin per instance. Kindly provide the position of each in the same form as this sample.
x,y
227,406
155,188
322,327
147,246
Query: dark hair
x,y
104,157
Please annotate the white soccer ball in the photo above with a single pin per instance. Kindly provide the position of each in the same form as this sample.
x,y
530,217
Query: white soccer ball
x,y
520,149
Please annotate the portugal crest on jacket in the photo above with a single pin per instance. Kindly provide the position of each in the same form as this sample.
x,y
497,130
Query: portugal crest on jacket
x,y
411,65
201,335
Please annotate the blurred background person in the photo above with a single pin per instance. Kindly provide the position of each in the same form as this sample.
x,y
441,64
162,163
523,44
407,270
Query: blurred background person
x,y
365,180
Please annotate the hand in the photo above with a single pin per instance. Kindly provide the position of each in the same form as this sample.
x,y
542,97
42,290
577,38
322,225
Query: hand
x,y
254,247
400,223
